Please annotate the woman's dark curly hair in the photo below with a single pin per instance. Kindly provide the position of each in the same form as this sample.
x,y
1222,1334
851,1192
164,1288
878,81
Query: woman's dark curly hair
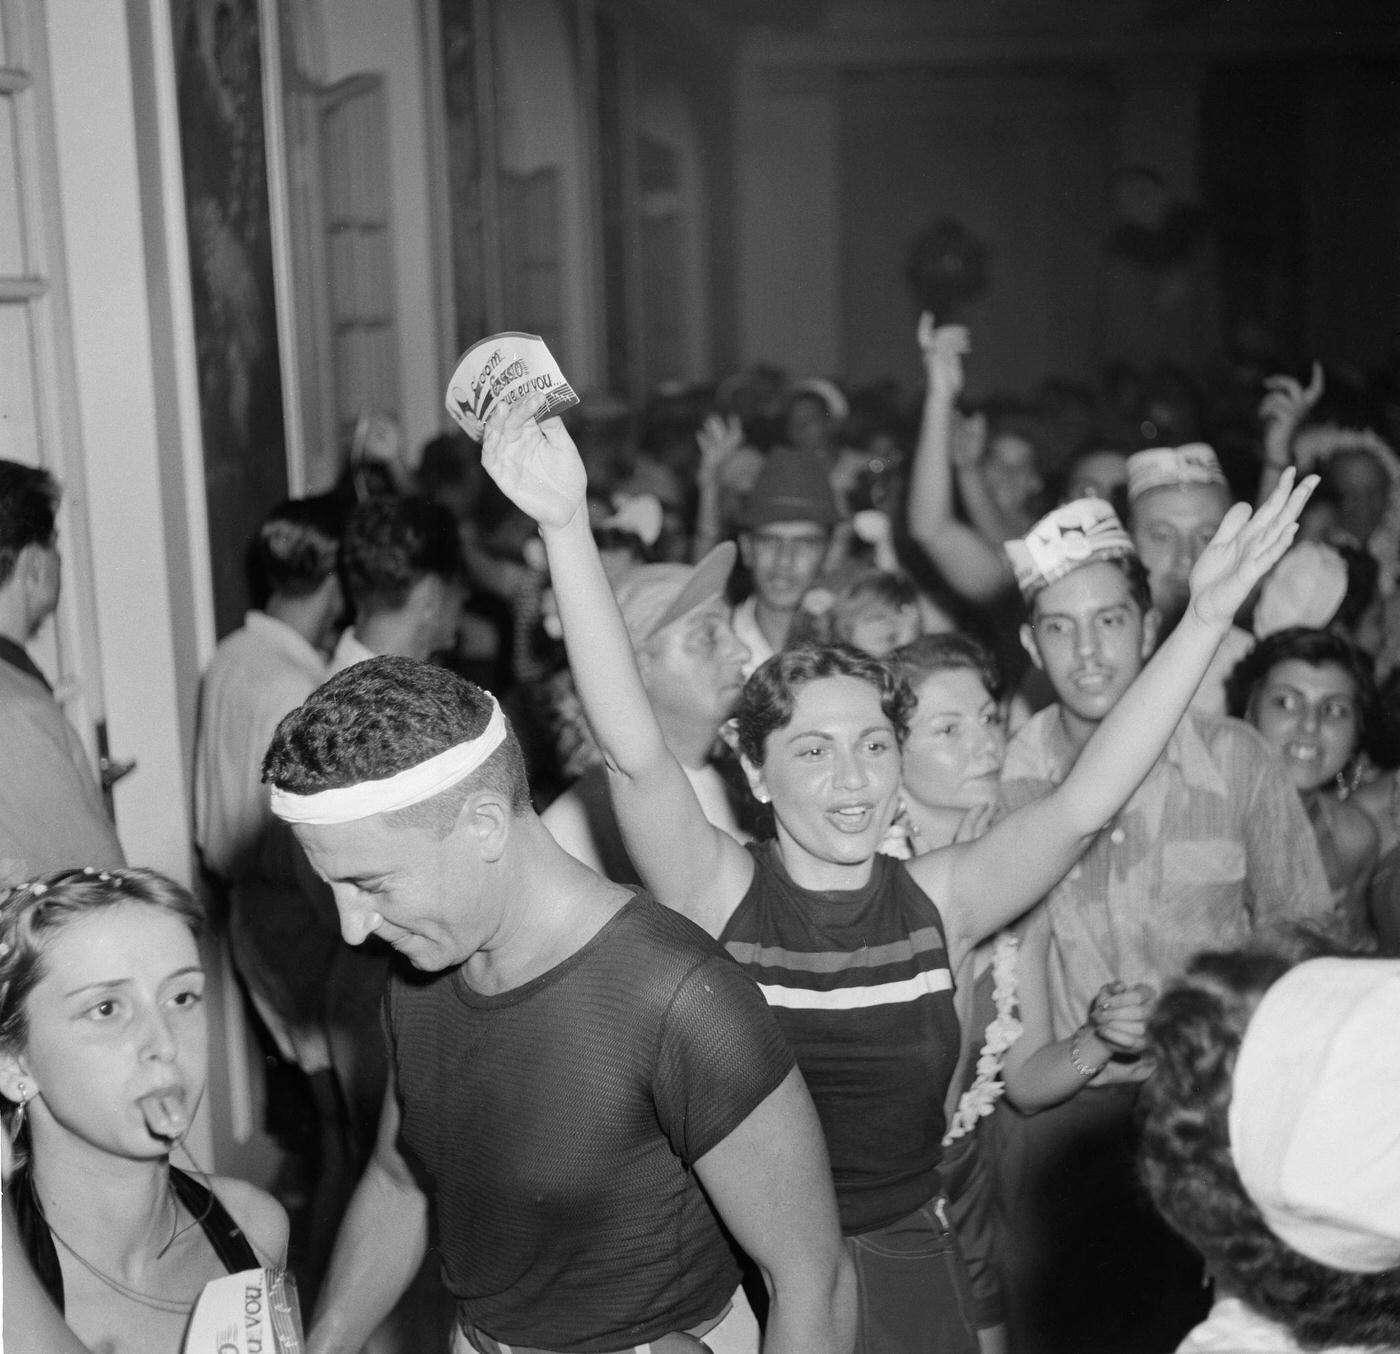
x,y
1194,1036
1315,648
770,695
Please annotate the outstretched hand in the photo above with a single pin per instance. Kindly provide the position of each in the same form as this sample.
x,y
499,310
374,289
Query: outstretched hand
x,y
718,439
1244,549
535,465
943,350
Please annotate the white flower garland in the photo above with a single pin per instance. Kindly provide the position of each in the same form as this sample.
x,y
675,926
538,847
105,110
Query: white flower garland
x,y
987,1086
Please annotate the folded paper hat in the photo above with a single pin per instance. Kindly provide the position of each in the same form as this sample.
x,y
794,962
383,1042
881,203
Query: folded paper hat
x,y
1083,531
793,486
1306,587
651,596
1163,467
1315,1112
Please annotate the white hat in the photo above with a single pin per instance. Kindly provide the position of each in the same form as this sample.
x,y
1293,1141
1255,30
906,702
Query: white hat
x,y
1082,531
1315,1112
1304,588
1164,467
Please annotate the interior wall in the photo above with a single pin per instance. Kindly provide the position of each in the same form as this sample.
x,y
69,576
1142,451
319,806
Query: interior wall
x,y
370,35
1022,161
788,172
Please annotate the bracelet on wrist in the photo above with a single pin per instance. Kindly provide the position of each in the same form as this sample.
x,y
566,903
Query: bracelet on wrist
x,y
1084,1069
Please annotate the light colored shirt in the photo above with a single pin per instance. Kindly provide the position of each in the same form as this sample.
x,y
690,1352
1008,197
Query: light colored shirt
x,y
1210,695
1213,845
258,674
1233,1327
348,651
745,624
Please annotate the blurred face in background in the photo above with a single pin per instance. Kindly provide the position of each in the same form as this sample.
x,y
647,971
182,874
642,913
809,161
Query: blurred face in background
x,y
1170,526
956,743
1012,473
785,559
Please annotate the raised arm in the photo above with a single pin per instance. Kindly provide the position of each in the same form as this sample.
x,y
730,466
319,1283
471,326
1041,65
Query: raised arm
x,y
378,1250
971,565
1282,412
686,862
996,878
718,439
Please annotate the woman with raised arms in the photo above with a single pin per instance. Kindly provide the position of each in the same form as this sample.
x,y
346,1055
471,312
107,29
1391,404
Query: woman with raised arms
x,y
851,947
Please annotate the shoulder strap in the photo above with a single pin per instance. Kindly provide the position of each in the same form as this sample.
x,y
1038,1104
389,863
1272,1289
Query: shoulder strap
x,y
35,1237
225,1236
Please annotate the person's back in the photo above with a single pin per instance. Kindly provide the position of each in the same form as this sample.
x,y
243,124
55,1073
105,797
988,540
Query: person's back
x,y
51,809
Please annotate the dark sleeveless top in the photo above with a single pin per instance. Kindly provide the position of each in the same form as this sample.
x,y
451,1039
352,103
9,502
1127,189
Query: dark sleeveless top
x,y
228,1241
860,984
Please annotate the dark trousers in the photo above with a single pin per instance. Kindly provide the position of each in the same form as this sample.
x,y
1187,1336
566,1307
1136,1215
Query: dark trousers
x,y
1089,1266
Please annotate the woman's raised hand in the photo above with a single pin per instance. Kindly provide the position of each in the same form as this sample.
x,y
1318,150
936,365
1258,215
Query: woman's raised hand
x,y
536,465
1245,547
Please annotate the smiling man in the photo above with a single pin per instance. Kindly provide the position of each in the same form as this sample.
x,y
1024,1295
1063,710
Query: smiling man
x,y
1212,846
585,1087
692,666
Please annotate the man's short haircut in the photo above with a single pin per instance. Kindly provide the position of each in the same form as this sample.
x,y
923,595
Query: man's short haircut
x,y
1132,568
29,500
392,543
383,716
296,547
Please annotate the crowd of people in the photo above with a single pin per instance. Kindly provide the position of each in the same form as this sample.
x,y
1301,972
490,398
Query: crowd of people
x,y
821,875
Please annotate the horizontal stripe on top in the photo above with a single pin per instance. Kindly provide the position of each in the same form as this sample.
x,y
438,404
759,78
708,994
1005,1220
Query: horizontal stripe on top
x,y
851,998
926,940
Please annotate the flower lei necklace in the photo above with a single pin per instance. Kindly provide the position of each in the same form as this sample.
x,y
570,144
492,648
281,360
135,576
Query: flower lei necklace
x,y
987,1087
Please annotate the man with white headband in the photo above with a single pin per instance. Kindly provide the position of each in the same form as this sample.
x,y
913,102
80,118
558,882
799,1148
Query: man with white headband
x,y
584,1086
1271,1144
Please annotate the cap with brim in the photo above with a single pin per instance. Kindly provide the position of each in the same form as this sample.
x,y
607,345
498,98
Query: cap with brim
x,y
793,486
1315,1112
1170,467
651,596
1083,531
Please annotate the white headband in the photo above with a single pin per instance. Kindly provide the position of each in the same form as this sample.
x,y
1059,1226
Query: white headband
x,y
349,803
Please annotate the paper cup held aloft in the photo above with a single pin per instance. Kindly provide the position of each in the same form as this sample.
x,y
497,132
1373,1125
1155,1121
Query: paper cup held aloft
x,y
502,369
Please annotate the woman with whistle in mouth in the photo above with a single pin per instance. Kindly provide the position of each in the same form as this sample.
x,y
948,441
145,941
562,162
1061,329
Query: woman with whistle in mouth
x,y
103,1061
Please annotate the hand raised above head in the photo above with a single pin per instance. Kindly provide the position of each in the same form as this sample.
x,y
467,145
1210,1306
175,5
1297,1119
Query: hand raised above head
x,y
943,348
536,465
1244,548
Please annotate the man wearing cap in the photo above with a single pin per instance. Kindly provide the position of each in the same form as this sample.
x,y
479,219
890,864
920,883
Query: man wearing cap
x,y
585,1087
1211,847
787,528
692,668
1177,497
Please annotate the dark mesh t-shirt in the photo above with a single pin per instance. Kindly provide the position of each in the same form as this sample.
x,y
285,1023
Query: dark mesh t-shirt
x,y
860,984
556,1125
